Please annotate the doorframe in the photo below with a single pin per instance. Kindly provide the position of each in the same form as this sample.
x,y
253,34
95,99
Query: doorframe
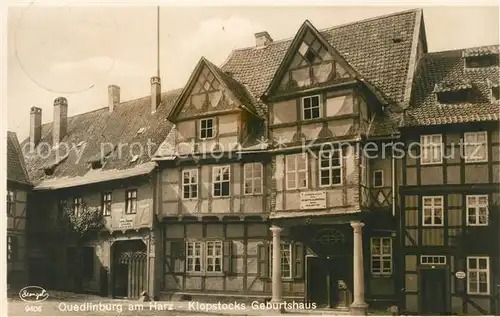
x,y
447,282
328,290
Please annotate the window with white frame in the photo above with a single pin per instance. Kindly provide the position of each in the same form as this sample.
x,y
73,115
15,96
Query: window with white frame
x,y
476,147
477,210
77,206
106,204
214,256
431,149
221,181
378,178
311,107
478,275
207,128
11,203
330,168
381,252
194,261
296,171
286,259
253,178
131,201
432,211
190,183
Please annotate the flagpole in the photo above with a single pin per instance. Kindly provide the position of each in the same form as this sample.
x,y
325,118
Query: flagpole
x,y
158,41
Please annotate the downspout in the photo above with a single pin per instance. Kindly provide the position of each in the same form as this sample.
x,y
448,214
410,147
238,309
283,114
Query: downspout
x,y
393,163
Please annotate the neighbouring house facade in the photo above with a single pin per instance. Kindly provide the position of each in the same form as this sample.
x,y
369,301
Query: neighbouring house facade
x,y
18,189
289,149
450,194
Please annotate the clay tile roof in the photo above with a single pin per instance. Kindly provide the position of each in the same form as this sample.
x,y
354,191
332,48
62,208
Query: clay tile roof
x,y
101,128
480,51
379,49
16,169
439,69
452,85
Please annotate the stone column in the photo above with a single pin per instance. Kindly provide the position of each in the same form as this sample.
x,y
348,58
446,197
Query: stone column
x,y
358,306
276,274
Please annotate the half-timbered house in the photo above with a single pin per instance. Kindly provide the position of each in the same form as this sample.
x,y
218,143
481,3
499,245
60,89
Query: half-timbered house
x,y
100,160
287,120
18,188
450,191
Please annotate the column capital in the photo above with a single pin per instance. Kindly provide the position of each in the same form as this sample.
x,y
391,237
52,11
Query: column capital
x,y
275,229
357,225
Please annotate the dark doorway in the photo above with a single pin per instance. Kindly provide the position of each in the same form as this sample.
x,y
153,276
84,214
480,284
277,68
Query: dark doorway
x,y
433,291
326,283
103,287
129,269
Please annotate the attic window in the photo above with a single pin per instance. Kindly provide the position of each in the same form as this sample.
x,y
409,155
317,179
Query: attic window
x,y
495,93
481,61
397,39
96,165
49,170
459,96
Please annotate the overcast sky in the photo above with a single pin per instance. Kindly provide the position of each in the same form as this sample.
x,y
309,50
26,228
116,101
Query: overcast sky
x,y
77,52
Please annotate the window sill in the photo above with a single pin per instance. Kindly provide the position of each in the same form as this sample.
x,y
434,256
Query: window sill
x,y
379,275
431,164
477,225
474,162
221,197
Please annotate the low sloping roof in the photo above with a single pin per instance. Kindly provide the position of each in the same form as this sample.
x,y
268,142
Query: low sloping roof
x,y
16,168
130,129
442,70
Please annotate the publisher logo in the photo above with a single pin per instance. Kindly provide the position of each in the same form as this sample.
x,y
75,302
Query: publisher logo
x,y
33,294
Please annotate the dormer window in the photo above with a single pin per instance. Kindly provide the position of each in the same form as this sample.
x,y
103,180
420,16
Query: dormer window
x,y
207,128
459,96
495,94
96,165
481,61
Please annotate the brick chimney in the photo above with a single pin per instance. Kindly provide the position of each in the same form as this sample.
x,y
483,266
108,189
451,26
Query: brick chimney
x,y
35,127
155,93
262,39
113,97
60,125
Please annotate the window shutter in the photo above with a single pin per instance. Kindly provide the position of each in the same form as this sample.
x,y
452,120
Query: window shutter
x,y
227,254
298,257
263,260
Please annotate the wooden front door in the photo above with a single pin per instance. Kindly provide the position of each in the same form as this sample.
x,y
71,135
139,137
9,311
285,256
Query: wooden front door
x,y
129,270
433,291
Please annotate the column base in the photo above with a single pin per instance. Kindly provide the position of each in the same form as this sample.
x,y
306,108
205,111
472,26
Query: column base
x,y
358,309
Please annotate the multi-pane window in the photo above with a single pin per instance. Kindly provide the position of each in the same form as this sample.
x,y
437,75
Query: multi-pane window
x,y
221,181
190,184
193,257
432,207
207,128
77,206
253,178
330,168
381,252
477,210
11,203
214,256
11,248
286,259
106,203
478,275
475,147
311,107
433,259
431,149
378,178
296,171
131,201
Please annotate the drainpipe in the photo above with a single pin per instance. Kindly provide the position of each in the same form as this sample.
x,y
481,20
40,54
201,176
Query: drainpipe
x,y
393,163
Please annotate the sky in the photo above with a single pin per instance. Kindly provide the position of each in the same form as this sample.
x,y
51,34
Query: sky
x,y
76,52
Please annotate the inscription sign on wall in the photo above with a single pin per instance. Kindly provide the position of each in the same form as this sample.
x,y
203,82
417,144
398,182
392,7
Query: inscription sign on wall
x,y
126,223
313,200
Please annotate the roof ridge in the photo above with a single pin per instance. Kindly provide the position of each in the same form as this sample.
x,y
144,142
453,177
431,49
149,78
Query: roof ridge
x,y
328,29
456,50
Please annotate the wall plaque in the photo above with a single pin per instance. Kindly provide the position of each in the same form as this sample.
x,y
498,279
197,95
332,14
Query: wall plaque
x,y
313,200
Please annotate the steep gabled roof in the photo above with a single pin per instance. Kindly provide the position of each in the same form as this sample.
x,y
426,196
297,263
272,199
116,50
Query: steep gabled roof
x,y
130,126
378,48
445,71
239,91
16,169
